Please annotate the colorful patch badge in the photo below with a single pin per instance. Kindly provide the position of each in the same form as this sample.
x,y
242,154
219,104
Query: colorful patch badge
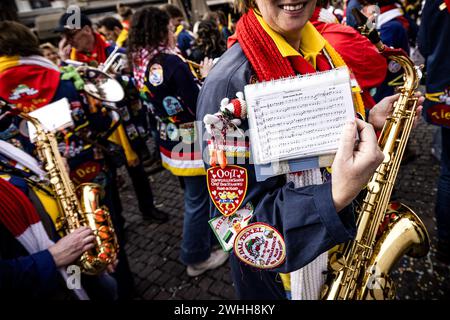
x,y
124,113
162,131
22,90
227,187
226,228
394,66
172,105
132,132
188,132
155,76
261,246
172,132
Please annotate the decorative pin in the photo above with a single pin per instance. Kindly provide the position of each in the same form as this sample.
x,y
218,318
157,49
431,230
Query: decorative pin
x,y
261,246
227,187
229,118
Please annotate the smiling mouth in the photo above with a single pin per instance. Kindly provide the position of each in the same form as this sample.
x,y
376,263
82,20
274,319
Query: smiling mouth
x,y
292,7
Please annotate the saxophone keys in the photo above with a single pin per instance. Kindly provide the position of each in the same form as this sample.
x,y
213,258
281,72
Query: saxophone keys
x,y
54,180
373,187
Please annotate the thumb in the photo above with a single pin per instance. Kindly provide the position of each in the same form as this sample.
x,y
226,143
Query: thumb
x,y
347,142
391,99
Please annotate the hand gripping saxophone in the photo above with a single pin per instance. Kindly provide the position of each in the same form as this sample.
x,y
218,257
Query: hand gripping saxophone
x,y
79,206
359,270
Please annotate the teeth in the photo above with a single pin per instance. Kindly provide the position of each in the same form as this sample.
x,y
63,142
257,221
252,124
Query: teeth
x,y
293,8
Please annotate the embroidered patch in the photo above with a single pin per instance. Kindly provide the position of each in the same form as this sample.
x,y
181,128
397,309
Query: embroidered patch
x,y
162,131
226,228
132,132
124,114
22,90
261,246
438,114
172,105
172,132
78,114
188,132
85,172
155,76
394,67
227,187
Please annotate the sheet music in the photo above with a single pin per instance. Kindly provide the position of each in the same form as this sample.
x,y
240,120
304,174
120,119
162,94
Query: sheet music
x,y
54,116
298,117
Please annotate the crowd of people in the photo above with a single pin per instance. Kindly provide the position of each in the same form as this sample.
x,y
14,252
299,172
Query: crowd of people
x,y
175,75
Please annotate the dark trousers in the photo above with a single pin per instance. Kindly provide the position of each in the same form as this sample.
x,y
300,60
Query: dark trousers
x,y
142,188
443,193
122,274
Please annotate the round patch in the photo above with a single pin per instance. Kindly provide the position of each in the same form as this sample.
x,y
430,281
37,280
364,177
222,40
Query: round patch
x,y
155,76
260,246
394,67
172,132
172,105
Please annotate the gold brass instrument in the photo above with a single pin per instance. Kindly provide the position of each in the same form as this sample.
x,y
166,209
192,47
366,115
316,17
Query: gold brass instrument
x,y
99,82
79,206
115,63
195,69
193,66
359,270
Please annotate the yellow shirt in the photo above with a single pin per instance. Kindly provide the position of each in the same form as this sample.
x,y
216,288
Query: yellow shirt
x,y
308,49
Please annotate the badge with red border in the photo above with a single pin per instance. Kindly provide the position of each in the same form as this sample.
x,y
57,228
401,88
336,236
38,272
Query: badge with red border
x,y
227,188
261,246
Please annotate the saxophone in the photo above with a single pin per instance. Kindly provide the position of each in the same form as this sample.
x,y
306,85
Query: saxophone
x,y
79,206
360,269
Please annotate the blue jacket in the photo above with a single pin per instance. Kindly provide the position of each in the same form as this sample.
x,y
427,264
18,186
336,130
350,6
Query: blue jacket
x,y
170,94
393,34
184,42
305,217
35,274
434,44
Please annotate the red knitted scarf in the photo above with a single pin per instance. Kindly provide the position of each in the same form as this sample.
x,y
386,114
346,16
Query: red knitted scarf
x,y
17,213
264,56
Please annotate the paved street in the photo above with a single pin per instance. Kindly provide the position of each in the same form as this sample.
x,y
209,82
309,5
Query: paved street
x,y
153,249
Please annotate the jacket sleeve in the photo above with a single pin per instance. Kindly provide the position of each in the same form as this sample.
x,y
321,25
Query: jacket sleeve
x,y
306,217
35,273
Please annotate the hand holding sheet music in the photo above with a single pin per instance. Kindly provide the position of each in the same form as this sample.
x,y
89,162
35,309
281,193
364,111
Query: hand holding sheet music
x,y
298,117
